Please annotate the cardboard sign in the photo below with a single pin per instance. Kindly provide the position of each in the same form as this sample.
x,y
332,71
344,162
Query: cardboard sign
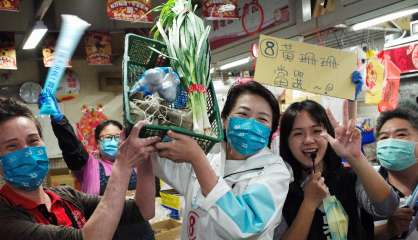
x,y
9,5
98,48
129,10
7,51
305,67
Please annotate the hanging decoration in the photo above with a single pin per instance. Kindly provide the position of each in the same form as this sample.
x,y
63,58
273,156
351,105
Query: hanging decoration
x,y
255,15
7,51
374,81
92,116
220,9
390,87
69,86
98,48
129,10
9,5
49,49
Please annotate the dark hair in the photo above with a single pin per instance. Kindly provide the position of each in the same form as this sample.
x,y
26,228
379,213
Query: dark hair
x,y
10,108
331,160
104,124
406,111
252,87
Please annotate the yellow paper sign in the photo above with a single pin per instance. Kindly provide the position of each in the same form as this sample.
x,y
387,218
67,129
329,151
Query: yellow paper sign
x,y
305,67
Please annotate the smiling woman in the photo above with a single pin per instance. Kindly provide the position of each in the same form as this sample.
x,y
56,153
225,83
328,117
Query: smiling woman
x,y
238,192
310,139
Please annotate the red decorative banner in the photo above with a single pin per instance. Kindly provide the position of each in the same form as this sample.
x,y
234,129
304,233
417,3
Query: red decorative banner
x,y
98,48
9,5
129,10
92,116
7,51
220,9
406,57
49,49
391,86
255,16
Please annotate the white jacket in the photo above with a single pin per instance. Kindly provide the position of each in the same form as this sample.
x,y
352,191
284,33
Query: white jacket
x,y
246,204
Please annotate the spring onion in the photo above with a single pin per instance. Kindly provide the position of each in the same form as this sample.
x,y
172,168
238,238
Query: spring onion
x,y
186,38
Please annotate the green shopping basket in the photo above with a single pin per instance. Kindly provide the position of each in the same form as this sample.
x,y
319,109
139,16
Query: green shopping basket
x,y
139,56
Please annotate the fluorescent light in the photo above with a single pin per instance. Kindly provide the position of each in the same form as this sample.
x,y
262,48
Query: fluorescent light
x,y
36,35
382,19
212,70
235,63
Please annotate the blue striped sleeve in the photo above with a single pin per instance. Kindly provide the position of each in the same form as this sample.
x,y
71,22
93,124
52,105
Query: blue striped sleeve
x,y
251,210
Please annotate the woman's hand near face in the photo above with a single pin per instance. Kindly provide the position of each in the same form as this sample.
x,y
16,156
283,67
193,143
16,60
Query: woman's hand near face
x,y
347,141
181,148
315,191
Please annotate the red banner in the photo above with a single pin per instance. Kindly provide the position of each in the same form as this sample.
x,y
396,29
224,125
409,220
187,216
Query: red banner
x,y
98,48
9,5
7,51
391,86
220,9
406,58
129,10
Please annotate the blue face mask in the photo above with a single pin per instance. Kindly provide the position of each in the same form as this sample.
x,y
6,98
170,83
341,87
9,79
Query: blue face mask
x,y
109,147
247,136
26,168
396,154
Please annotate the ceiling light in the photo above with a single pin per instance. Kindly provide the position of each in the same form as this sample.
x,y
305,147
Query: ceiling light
x,y
382,19
35,36
235,63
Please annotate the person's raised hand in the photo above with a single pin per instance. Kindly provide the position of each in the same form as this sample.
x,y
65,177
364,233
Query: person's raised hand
x,y
181,148
134,149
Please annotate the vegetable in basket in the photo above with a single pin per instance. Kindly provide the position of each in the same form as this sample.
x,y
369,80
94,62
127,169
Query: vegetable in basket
x,y
186,38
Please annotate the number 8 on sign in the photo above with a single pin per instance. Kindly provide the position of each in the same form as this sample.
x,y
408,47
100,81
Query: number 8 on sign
x,y
269,48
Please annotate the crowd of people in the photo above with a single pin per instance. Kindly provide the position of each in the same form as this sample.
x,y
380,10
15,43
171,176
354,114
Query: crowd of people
x,y
239,190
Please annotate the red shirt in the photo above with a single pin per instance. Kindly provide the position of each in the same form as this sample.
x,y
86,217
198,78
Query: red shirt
x,y
63,213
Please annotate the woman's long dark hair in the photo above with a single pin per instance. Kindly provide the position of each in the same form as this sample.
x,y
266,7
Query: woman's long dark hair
x,y
252,87
331,160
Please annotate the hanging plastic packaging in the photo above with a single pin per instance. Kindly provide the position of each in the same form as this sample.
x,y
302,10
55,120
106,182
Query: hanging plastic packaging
x,y
336,217
72,28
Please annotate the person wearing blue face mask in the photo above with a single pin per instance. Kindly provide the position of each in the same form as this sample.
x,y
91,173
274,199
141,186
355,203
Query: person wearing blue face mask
x,y
91,170
237,191
397,153
30,211
327,200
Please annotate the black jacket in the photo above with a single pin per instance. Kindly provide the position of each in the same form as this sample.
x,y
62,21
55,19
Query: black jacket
x,y
17,223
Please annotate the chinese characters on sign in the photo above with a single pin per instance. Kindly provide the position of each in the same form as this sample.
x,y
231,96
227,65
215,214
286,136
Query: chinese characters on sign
x,y
305,67
129,10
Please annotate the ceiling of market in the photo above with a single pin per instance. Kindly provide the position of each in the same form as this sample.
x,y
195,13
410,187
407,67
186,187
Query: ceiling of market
x,y
94,12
